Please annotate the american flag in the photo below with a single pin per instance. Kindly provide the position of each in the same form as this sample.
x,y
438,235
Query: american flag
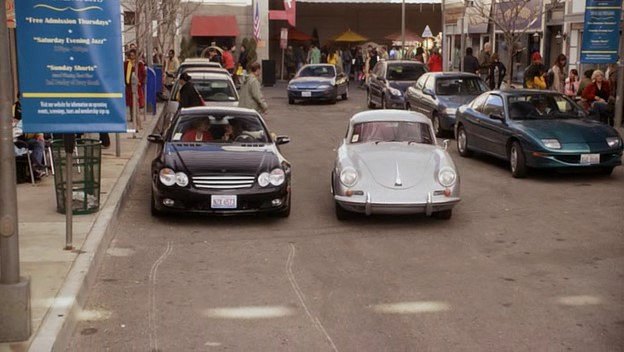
x,y
256,22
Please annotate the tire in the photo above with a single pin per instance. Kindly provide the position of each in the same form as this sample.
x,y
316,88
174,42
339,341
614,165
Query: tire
x,y
369,100
607,171
384,105
153,209
345,96
341,213
291,101
517,160
444,214
437,128
462,142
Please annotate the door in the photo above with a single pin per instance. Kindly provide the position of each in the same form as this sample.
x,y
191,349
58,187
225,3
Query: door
x,y
493,130
471,119
415,94
377,83
428,97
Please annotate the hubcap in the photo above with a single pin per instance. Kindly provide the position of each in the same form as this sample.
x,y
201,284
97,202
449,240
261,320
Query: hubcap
x,y
461,138
436,124
513,159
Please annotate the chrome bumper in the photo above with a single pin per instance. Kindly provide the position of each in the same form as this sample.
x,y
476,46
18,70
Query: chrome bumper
x,y
367,206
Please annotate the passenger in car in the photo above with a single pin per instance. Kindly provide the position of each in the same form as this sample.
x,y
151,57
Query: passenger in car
x,y
199,132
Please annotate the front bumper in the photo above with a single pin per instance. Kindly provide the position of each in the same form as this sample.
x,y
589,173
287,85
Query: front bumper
x,y
249,201
395,102
447,122
364,204
572,160
315,94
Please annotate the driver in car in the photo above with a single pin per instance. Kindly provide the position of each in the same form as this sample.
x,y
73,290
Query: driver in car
x,y
199,132
542,106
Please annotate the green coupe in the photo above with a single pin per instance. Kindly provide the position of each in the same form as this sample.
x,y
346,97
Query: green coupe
x,y
536,129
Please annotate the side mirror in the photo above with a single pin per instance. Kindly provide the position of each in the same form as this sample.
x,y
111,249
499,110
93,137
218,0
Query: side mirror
x,y
282,140
428,92
155,138
497,117
445,144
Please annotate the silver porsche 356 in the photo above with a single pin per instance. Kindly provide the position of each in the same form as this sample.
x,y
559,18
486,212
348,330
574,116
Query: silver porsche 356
x,y
390,163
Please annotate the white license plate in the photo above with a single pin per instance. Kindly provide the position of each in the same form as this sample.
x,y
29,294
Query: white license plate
x,y
223,202
590,159
306,94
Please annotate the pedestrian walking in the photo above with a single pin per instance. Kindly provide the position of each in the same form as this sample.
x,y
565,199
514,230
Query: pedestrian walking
x,y
358,66
471,64
497,72
572,84
188,96
596,96
420,55
299,57
314,55
171,69
347,61
556,74
251,96
435,61
485,61
228,60
130,71
242,57
290,62
156,57
534,75
585,81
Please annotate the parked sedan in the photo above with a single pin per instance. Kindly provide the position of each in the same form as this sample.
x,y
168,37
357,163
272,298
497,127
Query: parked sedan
x,y
318,82
388,82
438,95
536,129
390,163
220,160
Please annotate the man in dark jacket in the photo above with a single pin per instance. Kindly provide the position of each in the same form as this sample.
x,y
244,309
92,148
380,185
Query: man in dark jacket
x,y
188,95
471,64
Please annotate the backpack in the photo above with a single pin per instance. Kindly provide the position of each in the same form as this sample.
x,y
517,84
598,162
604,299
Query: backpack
x,y
550,78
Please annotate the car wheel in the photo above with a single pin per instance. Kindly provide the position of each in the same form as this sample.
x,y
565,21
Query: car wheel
x,y
291,101
444,214
384,105
154,210
435,121
607,171
342,213
517,161
345,96
462,142
369,100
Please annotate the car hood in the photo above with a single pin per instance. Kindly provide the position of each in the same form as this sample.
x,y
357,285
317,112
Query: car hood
x,y
455,101
401,85
305,82
205,158
567,130
388,163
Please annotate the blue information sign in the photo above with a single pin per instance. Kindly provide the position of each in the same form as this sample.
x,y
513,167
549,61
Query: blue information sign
x,y
601,31
70,65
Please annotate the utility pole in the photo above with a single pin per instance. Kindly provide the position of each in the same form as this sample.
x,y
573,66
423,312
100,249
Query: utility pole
x,y
403,25
444,43
462,37
15,318
619,100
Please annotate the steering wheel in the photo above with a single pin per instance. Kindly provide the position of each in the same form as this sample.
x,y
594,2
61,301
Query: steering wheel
x,y
244,137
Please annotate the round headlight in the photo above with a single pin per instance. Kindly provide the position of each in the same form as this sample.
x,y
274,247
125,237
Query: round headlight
x,y
277,177
447,177
167,177
181,179
348,176
264,179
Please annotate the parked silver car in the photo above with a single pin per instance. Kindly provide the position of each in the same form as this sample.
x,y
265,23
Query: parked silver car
x,y
390,163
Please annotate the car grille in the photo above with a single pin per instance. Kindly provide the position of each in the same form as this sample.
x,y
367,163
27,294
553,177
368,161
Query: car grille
x,y
223,182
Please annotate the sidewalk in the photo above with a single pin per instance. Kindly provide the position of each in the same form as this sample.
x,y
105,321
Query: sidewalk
x,y
42,234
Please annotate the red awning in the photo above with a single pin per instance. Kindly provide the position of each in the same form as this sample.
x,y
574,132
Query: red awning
x,y
214,26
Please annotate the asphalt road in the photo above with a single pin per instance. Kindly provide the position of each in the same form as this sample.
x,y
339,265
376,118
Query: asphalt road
x,y
524,265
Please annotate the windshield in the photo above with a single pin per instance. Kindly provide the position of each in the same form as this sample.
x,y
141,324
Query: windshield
x,y
543,106
216,90
219,129
460,86
318,71
405,72
391,131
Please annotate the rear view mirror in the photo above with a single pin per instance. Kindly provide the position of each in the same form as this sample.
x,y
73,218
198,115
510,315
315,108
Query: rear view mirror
x,y
155,138
282,140
429,92
497,117
445,144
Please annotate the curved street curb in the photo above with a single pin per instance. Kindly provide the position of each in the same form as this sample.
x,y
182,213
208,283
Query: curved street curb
x,y
57,327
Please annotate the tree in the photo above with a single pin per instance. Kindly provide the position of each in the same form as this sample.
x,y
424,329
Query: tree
x,y
513,18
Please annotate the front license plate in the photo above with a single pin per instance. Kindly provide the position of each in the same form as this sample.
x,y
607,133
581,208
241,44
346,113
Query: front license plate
x,y
590,159
223,202
306,94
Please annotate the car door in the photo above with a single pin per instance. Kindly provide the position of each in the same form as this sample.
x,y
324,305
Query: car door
x,y
341,81
428,99
493,128
377,83
415,94
471,120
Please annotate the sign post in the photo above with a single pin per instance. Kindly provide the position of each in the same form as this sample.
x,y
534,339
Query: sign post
x,y
283,46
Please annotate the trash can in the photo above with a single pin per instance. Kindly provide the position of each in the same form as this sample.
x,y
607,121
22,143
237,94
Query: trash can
x,y
85,175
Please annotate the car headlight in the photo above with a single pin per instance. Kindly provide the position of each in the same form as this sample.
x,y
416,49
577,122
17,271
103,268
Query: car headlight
x,y
551,143
264,179
348,176
167,177
277,177
324,86
395,91
181,179
447,177
614,142
450,111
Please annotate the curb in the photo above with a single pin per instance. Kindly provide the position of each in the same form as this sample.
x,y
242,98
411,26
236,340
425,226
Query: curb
x,y
56,330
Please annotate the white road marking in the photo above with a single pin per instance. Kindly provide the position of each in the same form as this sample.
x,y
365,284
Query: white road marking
x,y
152,312
94,315
251,312
293,282
212,344
412,307
582,300
119,252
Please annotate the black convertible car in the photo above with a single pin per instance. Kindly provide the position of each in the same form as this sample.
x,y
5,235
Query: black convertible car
x,y
220,160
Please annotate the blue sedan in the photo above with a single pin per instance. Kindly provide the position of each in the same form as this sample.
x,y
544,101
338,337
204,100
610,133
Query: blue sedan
x,y
536,129
318,82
